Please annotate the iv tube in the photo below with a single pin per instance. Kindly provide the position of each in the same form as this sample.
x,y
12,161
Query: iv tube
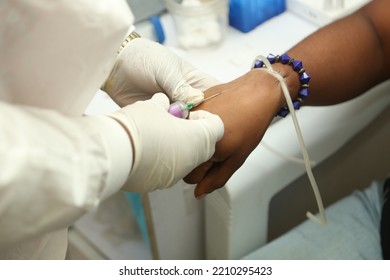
x,y
323,219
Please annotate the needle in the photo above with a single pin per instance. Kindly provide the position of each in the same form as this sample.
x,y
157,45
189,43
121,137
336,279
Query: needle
x,y
182,110
211,96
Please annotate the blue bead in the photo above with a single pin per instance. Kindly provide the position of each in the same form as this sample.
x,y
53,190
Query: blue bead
x,y
283,112
296,104
271,58
304,92
258,64
284,58
297,65
304,78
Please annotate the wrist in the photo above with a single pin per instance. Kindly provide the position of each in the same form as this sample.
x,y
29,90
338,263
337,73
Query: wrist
x,y
291,79
270,92
118,153
287,78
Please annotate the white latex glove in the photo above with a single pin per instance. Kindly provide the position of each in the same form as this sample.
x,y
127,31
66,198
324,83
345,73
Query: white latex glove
x,y
166,148
145,67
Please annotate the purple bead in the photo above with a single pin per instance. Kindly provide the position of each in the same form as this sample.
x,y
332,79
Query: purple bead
x,y
283,112
304,78
284,58
258,64
271,58
304,92
296,104
297,65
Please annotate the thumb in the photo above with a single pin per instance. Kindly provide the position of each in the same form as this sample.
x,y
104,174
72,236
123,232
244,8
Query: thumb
x,y
194,83
187,94
160,99
210,121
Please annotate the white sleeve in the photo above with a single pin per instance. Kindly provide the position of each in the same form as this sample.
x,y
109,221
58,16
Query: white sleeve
x,y
54,168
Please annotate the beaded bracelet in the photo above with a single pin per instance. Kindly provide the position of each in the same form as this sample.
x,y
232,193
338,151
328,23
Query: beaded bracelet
x,y
304,78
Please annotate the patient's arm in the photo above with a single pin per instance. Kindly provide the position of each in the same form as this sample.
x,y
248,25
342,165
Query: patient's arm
x,y
345,59
247,106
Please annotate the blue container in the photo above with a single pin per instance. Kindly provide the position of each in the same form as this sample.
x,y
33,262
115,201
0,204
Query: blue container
x,y
245,15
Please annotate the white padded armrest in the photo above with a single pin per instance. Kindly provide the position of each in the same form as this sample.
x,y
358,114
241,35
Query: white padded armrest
x,y
237,215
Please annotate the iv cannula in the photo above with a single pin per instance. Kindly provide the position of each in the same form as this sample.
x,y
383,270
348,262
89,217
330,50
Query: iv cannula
x,y
181,110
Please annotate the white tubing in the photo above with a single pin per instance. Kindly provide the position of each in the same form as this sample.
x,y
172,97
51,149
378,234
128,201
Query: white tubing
x,y
323,219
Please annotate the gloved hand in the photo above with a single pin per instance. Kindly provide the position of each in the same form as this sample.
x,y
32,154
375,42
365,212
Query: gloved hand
x,y
145,67
166,148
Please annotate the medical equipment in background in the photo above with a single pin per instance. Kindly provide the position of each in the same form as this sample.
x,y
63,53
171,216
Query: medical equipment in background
x,y
203,23
199,23
144,10
325,11
148,12
246,15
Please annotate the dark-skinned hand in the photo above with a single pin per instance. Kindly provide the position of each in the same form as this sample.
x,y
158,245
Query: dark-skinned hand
x,y
247,106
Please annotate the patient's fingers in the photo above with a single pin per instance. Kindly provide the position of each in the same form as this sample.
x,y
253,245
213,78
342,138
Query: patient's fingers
x,y
196,175
216,177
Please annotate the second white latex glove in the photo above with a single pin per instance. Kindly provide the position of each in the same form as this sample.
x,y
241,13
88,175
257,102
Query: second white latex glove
x,y
166,148
145,67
